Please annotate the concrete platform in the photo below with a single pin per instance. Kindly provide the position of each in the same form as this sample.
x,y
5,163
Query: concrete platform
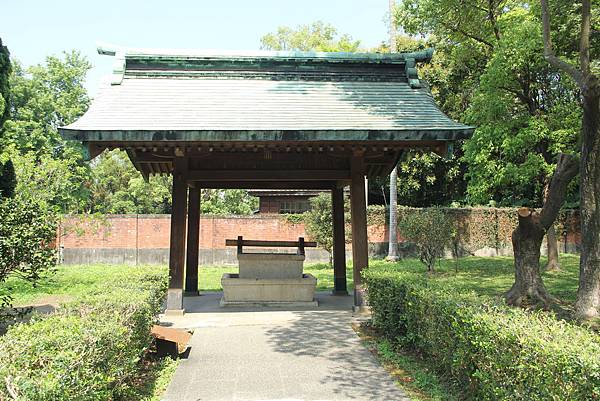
x,y
268,304
307,354
268,290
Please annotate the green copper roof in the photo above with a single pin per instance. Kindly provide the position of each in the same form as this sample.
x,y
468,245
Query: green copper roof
x,y
197,95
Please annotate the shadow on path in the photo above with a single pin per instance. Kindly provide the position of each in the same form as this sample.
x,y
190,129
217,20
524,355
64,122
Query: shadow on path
x,y
355,374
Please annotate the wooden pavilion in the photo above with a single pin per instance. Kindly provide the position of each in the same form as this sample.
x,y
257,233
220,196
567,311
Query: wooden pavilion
x,y
262,120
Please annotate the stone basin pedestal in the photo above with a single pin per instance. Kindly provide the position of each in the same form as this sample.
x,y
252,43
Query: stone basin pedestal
x,y
269,279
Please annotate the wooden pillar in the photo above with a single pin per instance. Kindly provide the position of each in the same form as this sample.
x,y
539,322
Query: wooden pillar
x,y
193,237
177,245
358,208
339,243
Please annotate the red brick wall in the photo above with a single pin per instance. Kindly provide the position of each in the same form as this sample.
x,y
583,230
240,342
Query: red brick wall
x,y
153,231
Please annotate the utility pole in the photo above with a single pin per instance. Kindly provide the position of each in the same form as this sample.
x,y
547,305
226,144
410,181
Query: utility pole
x,y
393,225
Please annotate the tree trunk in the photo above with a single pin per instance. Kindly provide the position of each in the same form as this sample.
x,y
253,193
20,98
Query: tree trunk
x,y
393,226
526,240
551,239
552,242
588,294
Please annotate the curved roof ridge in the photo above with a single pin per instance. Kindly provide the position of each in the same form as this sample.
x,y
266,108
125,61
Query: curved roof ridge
x,y
142,53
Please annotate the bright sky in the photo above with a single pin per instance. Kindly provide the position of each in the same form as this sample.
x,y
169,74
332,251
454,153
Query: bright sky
x,y
33,29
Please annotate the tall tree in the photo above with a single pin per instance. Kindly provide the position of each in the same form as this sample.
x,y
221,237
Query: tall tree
x,y
518,104
4,84
228,202
393,224
116,187
588,293
529,233
7,172
43,98
27,226
318,36
427,179
319,223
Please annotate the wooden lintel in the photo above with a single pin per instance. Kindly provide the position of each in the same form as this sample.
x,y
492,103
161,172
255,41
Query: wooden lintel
x,y
324,185
268,175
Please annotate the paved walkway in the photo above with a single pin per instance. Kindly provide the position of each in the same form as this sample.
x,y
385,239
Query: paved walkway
x,y
273,355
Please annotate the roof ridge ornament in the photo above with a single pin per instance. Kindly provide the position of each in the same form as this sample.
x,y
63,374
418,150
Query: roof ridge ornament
x,y
107,49
410,67
411,73
119,52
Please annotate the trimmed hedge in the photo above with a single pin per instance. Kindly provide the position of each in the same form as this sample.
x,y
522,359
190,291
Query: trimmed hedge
x,y
492,351
88,350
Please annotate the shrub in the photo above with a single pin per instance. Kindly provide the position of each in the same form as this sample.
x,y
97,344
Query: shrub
x,y
27,233
318,222
492,351
89,350
430,230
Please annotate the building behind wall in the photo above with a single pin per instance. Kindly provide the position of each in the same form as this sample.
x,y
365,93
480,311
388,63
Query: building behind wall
x,y
283,201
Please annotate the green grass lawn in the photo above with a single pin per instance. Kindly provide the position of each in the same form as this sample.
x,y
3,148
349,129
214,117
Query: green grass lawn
x,y
72,281
486,276
492,276
68,282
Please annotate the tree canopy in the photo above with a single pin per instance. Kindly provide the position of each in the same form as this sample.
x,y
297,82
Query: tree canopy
x,y
318,36
489,71
27,224
4,84
116,187
7,171
44,97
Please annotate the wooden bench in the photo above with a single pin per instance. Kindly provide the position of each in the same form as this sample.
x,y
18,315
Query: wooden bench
x,y
170,341
240,242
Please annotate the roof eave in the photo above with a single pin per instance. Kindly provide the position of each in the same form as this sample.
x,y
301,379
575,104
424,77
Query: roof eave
x,y
327,135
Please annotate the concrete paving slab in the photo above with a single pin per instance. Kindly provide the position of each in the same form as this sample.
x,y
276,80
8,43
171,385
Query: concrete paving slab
x,y
277,355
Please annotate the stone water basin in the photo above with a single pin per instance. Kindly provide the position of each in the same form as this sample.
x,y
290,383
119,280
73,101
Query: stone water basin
x,y
267,278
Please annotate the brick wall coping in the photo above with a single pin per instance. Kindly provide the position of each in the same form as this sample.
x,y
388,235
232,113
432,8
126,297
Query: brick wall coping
x,y
168,216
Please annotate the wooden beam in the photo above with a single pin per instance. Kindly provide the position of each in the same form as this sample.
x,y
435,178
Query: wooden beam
x,y
177,244
268,175
339,243
193,239
358,205
324,185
